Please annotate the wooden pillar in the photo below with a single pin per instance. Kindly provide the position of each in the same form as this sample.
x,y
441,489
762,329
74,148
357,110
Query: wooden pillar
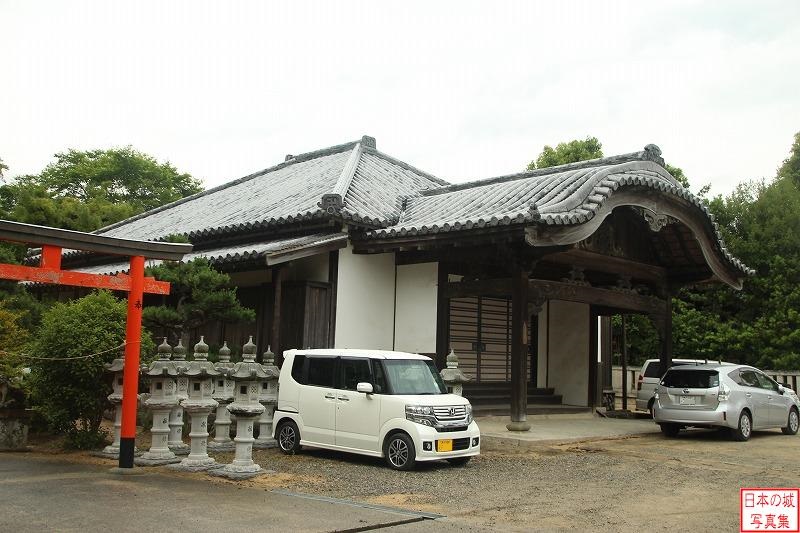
x,y
333,281
624,362
663,323
277,281
130,373
442,317
519,351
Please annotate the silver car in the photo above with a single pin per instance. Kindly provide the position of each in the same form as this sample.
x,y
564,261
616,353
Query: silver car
x,y
738,397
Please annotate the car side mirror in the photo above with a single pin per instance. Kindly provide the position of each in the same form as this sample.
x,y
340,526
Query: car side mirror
x,y
366,388
781,389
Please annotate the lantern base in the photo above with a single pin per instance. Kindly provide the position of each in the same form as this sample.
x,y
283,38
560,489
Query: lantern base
x,y
185,466
179,449
232,472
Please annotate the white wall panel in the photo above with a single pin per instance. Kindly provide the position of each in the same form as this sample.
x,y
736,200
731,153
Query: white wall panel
x,y
415,323
365,300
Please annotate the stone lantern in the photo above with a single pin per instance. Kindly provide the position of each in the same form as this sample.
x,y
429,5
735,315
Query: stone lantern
x,y
452,376
223,393
116,368
268,397
176,443
162,373
201,374
248,376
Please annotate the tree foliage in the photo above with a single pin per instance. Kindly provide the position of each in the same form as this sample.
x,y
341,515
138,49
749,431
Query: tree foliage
x,y
200,295
568,152
790,169
86,190
72,395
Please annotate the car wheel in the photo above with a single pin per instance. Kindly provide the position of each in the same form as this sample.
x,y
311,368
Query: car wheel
x,y
745,427
289,437
792,423
459,461
670,430
399,451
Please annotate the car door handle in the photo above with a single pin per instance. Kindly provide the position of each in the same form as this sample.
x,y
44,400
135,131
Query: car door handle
x,y
330,396
344,398
748,395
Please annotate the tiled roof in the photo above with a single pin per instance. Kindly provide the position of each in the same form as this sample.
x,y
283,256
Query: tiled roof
x,y
362,182
566,195
271,252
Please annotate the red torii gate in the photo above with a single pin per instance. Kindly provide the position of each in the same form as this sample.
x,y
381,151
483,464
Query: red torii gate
x,y
52,241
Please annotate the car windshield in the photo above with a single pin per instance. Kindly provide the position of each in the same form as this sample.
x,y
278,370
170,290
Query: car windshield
x,y
413,376
690,378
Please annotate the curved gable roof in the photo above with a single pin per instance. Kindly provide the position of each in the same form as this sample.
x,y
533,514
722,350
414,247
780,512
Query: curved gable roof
x,y
569,195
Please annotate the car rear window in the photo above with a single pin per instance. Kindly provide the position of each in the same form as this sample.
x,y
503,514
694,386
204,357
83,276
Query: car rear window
x,y
689,378
653,370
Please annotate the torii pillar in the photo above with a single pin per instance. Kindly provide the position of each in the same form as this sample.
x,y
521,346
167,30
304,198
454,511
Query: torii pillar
x,y
52,241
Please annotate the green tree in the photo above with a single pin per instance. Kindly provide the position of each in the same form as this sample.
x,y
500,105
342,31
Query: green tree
x,y
199,295
790,168
568,152
72,395
87,190
3,168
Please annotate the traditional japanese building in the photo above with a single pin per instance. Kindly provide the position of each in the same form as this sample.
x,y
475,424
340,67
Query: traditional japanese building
x,y
348,247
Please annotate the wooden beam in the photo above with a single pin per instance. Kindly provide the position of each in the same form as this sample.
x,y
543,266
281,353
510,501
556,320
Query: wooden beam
x,y
605,263
120,282
614,299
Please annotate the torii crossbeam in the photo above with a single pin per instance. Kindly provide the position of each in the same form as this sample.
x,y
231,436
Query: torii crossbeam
x,y
53,241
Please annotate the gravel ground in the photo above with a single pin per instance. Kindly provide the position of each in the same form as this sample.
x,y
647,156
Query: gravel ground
x,y
645,483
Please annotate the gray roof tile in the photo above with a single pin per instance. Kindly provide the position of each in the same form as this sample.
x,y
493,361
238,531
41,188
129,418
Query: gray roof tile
x,y
239,252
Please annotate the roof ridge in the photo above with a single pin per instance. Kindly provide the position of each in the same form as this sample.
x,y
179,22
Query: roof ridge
x,y
374,151
651,152
290,160
333,202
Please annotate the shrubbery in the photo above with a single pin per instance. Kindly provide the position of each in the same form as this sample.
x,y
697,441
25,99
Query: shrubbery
x,y
72,395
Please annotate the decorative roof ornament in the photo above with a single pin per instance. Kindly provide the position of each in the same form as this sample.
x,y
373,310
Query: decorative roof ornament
x,y
369,142
331,203
653,153
533,212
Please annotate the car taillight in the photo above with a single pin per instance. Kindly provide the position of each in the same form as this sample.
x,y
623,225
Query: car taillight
x,y
639,383
724,393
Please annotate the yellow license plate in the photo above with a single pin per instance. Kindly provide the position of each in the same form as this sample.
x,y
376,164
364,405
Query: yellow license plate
x,y
444,445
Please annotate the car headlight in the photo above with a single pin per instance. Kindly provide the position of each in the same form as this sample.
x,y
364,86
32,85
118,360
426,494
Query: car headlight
x,y
469,414
421,414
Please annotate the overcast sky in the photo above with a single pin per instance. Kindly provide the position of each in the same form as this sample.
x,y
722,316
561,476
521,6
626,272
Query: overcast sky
x,y
463,90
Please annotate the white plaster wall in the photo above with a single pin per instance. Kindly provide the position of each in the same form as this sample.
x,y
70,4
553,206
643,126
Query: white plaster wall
x,y
415,322
569,351
365,300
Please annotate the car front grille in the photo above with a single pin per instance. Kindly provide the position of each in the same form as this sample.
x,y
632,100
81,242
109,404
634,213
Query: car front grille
x,y
461,444
452,429
450,412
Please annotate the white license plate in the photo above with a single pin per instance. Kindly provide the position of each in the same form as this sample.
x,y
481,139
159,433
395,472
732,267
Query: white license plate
x,y
686,400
